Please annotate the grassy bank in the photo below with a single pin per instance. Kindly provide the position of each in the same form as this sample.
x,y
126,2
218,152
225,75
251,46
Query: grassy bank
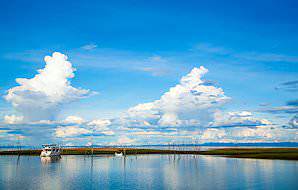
x,y
95,151
262,153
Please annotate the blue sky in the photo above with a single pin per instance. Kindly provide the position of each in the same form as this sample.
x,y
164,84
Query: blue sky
x,y
132,52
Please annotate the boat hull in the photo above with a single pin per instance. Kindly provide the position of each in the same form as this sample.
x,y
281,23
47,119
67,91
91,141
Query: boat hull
x,y
119,154
49,154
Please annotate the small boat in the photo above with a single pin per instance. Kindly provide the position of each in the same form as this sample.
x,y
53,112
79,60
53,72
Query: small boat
x,y
118,154
50,150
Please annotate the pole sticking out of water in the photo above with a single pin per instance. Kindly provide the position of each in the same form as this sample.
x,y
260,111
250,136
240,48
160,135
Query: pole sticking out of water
x,y
19,145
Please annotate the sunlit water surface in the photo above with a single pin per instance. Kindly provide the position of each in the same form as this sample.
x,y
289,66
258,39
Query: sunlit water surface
x,y
146,172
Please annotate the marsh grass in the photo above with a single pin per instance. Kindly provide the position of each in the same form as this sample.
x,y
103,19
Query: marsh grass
x,y
262,153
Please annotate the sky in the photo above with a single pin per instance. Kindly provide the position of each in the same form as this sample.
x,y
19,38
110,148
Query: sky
x,y
148,72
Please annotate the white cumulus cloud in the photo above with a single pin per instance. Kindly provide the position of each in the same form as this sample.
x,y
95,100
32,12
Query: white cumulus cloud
x,y
13,119
235,119
70,131
40,97
213,134
248,132
100,123
101,126
191,102
74,119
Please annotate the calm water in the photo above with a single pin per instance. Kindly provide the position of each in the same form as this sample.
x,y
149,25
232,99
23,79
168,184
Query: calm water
x,y
146,172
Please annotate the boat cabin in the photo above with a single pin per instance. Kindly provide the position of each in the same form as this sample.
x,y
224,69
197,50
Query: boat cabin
x,y
50,150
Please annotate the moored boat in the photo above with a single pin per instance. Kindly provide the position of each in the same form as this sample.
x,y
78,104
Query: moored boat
x,y
118,154
50,150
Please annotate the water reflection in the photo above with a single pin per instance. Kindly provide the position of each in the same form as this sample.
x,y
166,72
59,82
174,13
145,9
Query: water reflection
x,y
48,160
146,172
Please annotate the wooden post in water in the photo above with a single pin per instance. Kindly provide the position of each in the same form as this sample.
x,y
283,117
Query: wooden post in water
x,y
19,146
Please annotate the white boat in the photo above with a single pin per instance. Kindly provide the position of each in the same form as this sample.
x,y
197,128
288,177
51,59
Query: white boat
x,y
118,154
50,150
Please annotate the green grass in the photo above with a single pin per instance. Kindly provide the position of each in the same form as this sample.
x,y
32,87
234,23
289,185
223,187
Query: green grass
x,y
280,156
261,153
22,152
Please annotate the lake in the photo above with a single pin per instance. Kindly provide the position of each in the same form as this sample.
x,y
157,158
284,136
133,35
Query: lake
x,y
146,172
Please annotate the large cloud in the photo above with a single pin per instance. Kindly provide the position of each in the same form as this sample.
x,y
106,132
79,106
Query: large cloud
x,y
40,97
190,102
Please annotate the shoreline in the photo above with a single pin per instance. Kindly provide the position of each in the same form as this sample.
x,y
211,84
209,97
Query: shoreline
x,y
257,153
